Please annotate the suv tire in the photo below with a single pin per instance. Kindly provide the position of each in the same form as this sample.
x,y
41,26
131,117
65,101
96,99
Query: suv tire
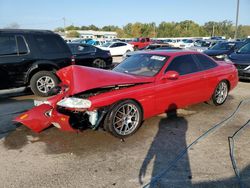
x,y
42,82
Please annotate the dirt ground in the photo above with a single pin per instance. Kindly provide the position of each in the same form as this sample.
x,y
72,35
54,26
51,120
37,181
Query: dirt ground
x,y
97,159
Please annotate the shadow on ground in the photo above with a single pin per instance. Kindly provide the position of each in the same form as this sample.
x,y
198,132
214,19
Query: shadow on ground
x,y
169,141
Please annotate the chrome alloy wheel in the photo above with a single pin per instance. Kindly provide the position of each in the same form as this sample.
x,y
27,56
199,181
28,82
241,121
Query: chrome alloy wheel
x,y
44,84
126,119
221,93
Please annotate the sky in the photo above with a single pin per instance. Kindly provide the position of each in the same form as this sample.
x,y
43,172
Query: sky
x,y
49,14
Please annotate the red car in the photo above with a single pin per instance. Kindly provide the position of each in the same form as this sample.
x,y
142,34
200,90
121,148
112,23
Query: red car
x,y
140,43
142,86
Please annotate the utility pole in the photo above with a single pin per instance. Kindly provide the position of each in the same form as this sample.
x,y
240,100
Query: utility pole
x,y
237,17
213,31
64,23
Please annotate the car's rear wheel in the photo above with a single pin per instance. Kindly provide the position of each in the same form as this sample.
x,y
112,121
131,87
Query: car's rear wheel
x,y
220,93
123,119
42,82
99,63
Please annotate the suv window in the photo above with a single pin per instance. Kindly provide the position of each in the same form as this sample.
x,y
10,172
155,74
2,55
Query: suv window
x,y
49,43
184,64
8,45
205,62
21,44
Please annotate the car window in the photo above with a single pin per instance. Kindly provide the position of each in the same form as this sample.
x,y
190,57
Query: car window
x,y
142,40
142,64
205,62
8,45
22,45
184,64
244,49
49,44
114,45
85,49
120,44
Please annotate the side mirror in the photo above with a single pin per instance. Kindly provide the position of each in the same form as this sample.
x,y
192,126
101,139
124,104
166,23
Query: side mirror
x,y
171,75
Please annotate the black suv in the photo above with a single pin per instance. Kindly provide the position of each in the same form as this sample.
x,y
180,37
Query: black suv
x,y
31,58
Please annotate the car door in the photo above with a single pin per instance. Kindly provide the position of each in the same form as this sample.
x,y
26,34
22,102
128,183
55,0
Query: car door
x,y
85,54
208,66
14,57
113,49
186,90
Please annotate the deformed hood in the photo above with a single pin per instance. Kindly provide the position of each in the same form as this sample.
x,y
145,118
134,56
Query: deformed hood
x,y
80,78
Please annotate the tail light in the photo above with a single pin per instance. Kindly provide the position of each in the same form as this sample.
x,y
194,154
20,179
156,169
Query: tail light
x,y
73,60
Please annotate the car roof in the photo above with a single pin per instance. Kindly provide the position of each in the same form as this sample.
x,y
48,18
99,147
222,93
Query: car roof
x,y
24,31
171,52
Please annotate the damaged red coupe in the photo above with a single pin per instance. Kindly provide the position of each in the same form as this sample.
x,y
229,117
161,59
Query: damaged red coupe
x,y
142,86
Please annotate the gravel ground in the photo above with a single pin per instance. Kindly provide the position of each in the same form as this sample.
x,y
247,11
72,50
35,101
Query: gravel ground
x,y
97,159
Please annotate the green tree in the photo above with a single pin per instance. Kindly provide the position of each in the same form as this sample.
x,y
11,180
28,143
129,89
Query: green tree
x,y
59,29
72,27
73,34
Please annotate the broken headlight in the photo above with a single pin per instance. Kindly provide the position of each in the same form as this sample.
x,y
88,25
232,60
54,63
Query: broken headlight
x,y
72,102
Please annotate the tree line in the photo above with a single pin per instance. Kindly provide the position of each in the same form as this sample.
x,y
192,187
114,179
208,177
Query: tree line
x,y
187,28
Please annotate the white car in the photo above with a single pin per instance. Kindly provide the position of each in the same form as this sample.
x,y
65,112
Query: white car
x,y
173,42
117,48
187,43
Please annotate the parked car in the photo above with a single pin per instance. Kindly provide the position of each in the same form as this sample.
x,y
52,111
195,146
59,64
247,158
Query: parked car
x,y
95,43
139,43
117,48
221,49
88,55
173,42
186,43
201,45
82,41
31,58
140,87
241,59
154,46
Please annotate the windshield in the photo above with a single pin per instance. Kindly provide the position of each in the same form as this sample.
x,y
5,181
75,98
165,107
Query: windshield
x,y
142,64
245,49
222,46
107,44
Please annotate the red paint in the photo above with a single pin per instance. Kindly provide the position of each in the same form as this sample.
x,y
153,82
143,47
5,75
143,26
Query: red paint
x,y
155,94
141,43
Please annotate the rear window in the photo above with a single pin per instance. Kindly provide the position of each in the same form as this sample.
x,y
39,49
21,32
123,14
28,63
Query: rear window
x,y
8,45
50,44
205,62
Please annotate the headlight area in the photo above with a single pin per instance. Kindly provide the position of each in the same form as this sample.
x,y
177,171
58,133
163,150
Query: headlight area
x,y
79,117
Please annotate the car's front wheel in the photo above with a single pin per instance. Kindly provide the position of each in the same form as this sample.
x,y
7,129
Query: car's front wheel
x,y
220,93
42,82
123,119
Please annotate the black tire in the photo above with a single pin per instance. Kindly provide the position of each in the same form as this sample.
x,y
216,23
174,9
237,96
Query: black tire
x,y
41,75
223,85
128,51
110,126
99,63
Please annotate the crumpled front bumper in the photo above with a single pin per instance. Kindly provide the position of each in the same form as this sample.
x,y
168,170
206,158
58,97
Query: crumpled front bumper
x,y
42,117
